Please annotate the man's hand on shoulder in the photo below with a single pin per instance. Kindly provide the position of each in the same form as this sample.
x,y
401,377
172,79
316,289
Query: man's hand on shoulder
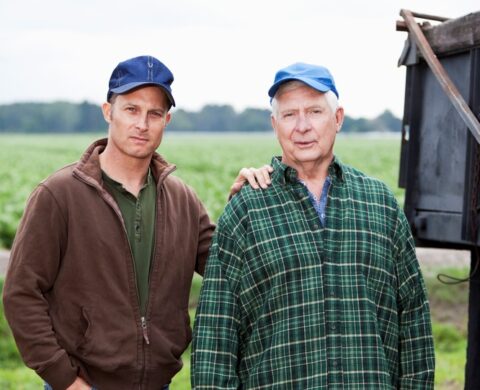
x,y
79,384
256,177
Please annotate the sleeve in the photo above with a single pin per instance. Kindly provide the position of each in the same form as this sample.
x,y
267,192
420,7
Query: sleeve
x,y
34,261
215,345
417,357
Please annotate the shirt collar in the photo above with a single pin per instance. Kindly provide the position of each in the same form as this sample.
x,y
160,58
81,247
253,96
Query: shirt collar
x,y
284,174
119,186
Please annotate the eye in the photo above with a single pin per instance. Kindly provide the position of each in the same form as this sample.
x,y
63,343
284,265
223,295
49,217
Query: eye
x,y
157,114
130,109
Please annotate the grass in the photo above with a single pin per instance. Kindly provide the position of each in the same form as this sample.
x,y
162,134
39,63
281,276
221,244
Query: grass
x,y
209,163
449,310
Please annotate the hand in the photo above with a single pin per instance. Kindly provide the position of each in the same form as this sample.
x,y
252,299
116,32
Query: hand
x,y
79,384
256,178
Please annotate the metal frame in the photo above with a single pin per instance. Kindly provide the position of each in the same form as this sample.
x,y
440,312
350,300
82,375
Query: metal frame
x,y
465,223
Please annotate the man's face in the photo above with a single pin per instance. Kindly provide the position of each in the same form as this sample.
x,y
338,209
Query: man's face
x,y
305,126
136,121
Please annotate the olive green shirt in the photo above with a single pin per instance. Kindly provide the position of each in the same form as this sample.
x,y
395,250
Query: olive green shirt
x,y
139,217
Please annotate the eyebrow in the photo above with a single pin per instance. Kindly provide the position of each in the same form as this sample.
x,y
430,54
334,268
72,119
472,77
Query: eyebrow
x,y
162,109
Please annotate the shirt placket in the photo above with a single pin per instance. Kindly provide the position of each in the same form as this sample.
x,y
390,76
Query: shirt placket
x,y
334,294
138,218
333,297
332,300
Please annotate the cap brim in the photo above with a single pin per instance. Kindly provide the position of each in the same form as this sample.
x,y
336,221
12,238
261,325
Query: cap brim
x,y
311,83
130,86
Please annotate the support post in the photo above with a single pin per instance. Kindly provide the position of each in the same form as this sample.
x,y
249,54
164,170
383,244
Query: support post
x,y
472,372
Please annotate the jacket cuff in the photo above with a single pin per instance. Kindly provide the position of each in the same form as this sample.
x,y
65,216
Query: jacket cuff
x,y
60,374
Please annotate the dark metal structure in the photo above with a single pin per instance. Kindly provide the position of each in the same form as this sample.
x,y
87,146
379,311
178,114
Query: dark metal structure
x,y
440,154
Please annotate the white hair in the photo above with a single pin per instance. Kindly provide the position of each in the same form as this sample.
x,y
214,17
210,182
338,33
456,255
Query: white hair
x,y
332,99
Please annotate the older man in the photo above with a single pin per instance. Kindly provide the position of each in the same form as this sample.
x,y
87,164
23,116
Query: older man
x,y
312,283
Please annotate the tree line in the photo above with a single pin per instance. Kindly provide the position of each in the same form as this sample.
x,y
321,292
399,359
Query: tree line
x,y
68,117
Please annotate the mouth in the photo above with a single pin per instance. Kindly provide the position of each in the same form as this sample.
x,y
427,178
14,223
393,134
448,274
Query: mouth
x,y
304,144
139,140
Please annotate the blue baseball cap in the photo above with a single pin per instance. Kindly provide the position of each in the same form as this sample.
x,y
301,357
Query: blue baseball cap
x,y
138,71
315,76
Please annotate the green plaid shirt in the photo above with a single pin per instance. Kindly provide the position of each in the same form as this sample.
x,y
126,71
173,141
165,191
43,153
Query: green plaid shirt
x,y
288,304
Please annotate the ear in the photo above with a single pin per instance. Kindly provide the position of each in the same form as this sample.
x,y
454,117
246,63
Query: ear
x,y
339,116
168,118
107,112
273,121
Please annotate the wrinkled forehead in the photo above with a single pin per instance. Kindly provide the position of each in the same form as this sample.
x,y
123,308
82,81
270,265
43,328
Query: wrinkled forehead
x,y
299,95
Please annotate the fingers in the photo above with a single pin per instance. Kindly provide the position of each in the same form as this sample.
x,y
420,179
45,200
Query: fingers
x,y
79,384
257,178
265,172
237,186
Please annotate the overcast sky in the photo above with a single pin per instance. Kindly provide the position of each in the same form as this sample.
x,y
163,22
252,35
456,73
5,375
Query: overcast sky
x,y
220,51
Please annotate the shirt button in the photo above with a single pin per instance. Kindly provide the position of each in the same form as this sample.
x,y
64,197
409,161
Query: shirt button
x,y
323,216
334,364
332,293
315,226
333,327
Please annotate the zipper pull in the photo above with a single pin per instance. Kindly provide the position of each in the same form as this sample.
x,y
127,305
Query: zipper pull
x,y
144,330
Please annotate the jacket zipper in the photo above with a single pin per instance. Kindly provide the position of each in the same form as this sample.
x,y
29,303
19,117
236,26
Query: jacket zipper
x,y
145,329
143,320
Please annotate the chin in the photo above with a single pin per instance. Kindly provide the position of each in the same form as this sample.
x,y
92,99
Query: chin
x,y
308,157
141,154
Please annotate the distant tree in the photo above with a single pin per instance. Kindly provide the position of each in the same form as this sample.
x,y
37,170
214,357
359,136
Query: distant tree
x,y
89,118
351,125
66,117
56,117
216,118
182,121
388,122
254,119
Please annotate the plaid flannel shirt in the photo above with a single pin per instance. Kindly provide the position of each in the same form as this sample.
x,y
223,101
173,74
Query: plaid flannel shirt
x,y
289,304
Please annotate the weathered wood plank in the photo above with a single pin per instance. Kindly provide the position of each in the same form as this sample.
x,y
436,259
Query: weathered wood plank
x,y
454,35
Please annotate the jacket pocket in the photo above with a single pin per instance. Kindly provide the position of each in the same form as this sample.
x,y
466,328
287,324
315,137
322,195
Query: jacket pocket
x,y
109,339
171,335
84,346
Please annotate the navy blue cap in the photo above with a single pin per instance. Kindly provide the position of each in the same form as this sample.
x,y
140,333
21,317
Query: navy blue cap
x,y
315,76
138,71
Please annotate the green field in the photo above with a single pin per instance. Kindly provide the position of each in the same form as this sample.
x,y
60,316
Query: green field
x,y
209,163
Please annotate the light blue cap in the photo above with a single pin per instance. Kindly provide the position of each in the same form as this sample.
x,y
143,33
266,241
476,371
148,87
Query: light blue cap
x,y
316,76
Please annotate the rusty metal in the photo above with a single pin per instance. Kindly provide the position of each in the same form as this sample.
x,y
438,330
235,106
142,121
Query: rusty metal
x,y
429,17
400,25
447,85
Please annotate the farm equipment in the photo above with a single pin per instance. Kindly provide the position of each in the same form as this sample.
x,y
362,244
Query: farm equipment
x,y
440,151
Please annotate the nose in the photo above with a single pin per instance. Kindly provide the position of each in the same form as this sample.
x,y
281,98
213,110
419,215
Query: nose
x,y
303,123
142,122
